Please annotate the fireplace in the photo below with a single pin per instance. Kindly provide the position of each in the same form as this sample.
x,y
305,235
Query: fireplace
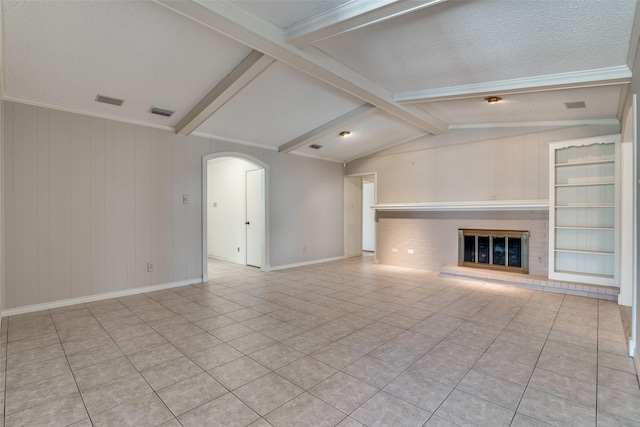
x,y
506,250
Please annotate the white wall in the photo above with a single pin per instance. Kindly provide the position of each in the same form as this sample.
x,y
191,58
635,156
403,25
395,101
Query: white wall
x,y
353,215
464,165
88,202
227,193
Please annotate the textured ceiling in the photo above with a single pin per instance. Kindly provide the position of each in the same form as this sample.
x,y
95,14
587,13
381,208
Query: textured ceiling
x,y
261,114
601,103
323,60
461,42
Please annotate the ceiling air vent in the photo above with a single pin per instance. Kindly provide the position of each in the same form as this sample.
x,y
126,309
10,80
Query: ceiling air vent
x,y
578,104
109,100
161,111
315,146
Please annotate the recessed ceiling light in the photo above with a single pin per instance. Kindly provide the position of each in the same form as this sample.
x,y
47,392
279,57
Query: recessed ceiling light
x,y
108,100
577,104
161,111
344,133
493,99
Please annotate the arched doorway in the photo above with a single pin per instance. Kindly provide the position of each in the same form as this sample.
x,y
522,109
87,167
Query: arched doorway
x,y
234,210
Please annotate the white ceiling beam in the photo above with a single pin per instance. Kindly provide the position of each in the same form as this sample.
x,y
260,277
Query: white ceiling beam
x,y
332,126
350,16
238,24
588,78
250,67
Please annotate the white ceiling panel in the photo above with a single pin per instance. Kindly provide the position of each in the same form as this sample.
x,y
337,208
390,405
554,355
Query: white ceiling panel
x,y
281,104
465,42
369,135
285,13
65,53
601,103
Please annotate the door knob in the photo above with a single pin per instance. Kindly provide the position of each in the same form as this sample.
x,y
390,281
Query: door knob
x,y
247,222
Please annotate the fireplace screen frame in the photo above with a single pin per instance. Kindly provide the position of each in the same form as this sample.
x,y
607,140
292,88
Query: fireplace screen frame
x,y
492,235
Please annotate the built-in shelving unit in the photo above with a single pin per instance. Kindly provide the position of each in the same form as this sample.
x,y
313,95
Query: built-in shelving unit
x,y
583,210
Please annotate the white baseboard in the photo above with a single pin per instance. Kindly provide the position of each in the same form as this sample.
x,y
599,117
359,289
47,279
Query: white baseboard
x,y
636,361
97,297
302,264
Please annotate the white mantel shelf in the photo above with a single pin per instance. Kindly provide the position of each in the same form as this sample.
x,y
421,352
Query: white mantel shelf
x,y
489,206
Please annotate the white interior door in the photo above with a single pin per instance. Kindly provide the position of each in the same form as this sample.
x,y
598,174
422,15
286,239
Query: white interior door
x,y
368,217
255,217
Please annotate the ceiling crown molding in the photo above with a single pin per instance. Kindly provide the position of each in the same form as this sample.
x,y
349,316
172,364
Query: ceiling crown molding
x,y
557,123
234,22
349,16
587,78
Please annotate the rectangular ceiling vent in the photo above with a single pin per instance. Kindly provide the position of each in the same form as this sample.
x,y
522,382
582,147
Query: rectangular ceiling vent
x,y
578,104
109,100
161,112
315,146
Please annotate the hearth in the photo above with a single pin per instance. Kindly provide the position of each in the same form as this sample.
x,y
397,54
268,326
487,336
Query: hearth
x,y
506,250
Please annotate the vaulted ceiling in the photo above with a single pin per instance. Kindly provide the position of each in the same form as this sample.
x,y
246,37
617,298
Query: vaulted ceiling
x,y
288,74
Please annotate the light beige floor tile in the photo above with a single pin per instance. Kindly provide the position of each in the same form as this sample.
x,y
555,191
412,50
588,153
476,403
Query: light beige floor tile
x,y
501,392
145,342
610,420
384,410
343,391
195,343
267,393
373,371
251,343
215,356
103,372
306,372
336,355
419,390
618,380
276,356
504,368
619,403
146,359
231,332
570,388
169,373
34,355
187,394
305,410
224,411
39,392
238,372
555,410
439,369
23,375
307,342
463,409
63,411
143,411
109,395
436,421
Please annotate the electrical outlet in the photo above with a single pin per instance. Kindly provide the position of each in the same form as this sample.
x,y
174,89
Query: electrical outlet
x,y
149,267
410,251
394,250
493,197
186,199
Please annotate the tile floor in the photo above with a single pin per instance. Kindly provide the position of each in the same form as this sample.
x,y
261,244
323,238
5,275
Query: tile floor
x,y
348,343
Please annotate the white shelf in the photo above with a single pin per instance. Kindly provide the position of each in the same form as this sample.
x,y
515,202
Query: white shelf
x,y
587,163
589,184
577,227
582,251
583,198
490,205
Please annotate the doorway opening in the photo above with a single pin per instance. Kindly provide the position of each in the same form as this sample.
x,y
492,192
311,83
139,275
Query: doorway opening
x,y
359,196
234,210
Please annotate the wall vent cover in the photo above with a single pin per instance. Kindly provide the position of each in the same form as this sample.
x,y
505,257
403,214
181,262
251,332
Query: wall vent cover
x,y
315,146
109,100
578,104
161,111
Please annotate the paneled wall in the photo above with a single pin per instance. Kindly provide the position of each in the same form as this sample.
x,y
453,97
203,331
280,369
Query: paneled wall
x,y
88,202
470,164
464,165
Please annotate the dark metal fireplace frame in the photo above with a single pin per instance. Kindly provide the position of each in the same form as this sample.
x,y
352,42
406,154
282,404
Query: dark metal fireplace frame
x,y
492,235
